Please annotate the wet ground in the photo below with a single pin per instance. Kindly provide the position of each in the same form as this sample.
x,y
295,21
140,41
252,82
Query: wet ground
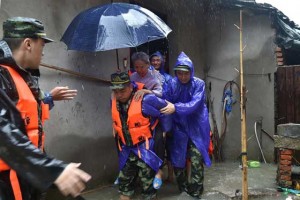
x,y
222,181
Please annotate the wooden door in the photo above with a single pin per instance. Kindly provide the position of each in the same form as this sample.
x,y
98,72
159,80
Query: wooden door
x,y
288,95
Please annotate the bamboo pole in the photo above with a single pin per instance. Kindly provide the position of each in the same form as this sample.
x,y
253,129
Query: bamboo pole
x,y
243,117
75,73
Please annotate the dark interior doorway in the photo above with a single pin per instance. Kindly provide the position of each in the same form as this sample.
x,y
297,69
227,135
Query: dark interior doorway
x,y
161,45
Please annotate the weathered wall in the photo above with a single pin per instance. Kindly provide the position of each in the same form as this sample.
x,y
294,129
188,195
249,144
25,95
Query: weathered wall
x,y
79,130
212,42
223,57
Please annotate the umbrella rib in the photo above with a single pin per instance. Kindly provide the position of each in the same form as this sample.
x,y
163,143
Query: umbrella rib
x,y
84,16
157,25
133,26
128,28
104,12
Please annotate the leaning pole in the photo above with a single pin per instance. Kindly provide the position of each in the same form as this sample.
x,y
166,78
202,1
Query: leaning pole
x,y
243,117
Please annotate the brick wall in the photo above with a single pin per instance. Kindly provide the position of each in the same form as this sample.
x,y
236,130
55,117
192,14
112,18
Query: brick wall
x,y
284,170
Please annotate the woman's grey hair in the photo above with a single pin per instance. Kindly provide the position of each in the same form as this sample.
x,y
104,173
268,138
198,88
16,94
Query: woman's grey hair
x,y
140,56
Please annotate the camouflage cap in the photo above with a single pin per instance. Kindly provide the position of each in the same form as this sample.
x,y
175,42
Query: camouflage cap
x,y
24,27
182,68
119,80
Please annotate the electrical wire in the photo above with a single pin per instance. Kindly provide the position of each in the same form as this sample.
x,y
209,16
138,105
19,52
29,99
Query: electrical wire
x,y
261,151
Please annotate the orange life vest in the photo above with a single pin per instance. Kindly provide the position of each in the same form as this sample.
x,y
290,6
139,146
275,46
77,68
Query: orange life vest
x,y
140,85
28,107
138,125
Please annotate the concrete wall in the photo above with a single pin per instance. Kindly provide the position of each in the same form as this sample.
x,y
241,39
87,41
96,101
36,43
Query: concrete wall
x,y
209,37
223,57
186,20
79,130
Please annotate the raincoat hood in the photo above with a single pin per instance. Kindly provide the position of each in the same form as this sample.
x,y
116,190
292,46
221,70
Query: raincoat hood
x,y
183,59
162,66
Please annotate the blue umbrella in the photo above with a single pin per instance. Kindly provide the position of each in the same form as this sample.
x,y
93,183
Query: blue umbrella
x,y
113,26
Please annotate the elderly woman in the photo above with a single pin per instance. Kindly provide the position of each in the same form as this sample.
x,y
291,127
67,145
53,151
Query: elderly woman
x,y
152,81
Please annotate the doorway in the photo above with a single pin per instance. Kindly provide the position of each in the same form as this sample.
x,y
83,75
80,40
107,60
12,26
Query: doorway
x,y
161,45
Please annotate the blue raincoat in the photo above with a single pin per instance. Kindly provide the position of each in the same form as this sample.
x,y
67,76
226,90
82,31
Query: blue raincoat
x,y
150,108
190,120
166,77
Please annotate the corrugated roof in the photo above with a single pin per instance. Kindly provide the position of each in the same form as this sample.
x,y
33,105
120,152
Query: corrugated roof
x,y
287,31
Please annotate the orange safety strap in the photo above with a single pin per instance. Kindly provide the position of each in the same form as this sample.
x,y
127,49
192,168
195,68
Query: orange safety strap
x,y
119,145
211,145
15,185
147,143
154,125
139,152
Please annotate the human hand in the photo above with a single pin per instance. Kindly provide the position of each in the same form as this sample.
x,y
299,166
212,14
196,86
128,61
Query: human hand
x,y
72,180
62,93
169,109
140,93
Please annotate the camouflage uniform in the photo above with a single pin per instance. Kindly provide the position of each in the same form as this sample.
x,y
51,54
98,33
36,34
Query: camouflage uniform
x,y
135,166
195,186
137,159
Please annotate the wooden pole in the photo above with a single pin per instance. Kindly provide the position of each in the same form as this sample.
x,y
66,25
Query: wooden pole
x,y
243,117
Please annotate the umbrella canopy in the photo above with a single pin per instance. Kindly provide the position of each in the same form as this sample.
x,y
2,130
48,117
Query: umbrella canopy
x,y
113,26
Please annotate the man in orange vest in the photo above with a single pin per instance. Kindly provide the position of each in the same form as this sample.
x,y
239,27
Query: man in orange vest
x,y
25,169
134,121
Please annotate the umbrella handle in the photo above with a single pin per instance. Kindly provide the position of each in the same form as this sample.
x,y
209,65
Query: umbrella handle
x,y
118,59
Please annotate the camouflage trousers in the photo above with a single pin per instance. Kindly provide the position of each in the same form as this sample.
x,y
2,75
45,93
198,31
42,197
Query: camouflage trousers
x,y
194,187
134,168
